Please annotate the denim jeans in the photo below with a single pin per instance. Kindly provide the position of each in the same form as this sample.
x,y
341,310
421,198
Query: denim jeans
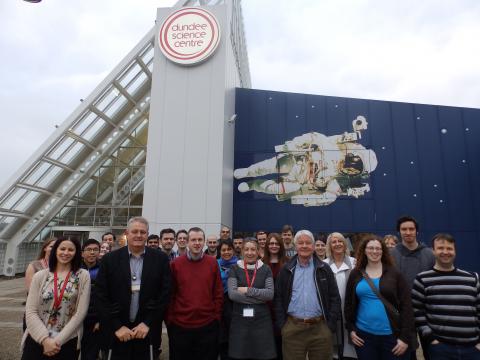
x,y
378,347
444,351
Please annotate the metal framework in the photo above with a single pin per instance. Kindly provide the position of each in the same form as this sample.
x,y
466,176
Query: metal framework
x,y
90,171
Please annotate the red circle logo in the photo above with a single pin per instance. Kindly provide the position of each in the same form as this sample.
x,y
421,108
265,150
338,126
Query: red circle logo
x,y
189,35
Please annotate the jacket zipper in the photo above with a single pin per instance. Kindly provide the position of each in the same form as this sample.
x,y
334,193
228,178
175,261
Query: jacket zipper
x,y
319,295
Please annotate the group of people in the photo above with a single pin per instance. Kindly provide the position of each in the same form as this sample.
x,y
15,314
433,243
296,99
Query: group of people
x,y
286,295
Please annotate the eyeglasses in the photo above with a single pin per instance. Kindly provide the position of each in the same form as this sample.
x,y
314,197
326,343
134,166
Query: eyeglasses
x,y
371,248
92,250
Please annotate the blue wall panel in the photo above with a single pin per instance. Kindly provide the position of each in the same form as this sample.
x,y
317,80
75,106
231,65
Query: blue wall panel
x,y
427,155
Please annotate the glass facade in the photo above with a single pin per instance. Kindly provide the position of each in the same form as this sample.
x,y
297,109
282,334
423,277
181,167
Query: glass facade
x,y
91,174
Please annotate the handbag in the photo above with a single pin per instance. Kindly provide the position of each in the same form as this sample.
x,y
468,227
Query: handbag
x,y
391,310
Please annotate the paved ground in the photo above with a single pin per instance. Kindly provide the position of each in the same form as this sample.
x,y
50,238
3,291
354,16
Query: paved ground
x,y
12,295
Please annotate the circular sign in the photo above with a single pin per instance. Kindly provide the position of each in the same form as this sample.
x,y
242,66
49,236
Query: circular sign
x,y
189,35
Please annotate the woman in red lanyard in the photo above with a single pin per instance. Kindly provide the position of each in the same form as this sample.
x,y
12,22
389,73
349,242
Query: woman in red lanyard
x,y
37,265
250,286
56,305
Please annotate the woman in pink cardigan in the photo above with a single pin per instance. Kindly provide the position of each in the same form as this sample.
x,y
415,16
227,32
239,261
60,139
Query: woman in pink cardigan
x,y
56,305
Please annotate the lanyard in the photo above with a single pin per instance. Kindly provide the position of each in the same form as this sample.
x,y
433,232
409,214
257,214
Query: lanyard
x,y
58,298
249,284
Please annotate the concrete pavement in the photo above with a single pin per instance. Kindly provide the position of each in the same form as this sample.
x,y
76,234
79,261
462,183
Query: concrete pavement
x,y
12,295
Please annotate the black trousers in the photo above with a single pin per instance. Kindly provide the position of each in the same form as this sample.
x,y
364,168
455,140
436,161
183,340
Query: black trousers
x,y
136,349
34,351
199,343
91,342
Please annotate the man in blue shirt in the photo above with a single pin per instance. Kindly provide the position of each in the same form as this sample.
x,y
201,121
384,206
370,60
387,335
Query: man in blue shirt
x,y
307,303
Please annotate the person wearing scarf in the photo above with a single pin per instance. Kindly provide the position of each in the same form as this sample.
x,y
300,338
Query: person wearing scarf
x,y
250,287
225,262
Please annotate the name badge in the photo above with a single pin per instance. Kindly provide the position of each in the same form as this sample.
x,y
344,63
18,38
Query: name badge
x,y
135,287
248,312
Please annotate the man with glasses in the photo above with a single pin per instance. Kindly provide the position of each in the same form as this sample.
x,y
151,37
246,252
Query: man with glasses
x,y
91,324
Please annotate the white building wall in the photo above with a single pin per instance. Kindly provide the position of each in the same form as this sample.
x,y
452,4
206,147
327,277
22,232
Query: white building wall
x,y
188,176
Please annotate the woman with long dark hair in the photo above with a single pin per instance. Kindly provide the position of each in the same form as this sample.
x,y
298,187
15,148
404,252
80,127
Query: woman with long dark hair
x,y
57,304
275,257
378,309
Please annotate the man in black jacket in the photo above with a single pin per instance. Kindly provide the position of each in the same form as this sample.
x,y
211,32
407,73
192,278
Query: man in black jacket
x,y
133,290
307,303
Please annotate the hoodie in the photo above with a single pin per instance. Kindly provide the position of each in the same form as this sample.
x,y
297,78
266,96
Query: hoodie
x,y
412,262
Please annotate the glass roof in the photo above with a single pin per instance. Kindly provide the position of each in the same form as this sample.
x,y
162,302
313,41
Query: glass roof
x,y
82,165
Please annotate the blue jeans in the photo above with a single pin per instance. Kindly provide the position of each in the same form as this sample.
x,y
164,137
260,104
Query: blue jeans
x,y
378,347
444,351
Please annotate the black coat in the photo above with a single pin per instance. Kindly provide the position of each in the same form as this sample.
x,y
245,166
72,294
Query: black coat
x,y
327,292
394,288
113,290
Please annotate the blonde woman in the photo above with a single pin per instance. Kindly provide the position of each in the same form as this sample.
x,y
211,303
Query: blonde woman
x,y
338,257
390,241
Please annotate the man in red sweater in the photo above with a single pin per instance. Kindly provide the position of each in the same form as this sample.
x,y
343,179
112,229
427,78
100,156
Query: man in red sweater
x,y
196,305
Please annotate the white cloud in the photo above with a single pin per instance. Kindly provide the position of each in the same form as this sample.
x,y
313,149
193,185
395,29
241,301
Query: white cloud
x,y
404,51
56,52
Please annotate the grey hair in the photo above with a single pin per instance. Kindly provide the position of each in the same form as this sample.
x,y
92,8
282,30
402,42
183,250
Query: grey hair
x,y
250,239
329,244
303,232
137,219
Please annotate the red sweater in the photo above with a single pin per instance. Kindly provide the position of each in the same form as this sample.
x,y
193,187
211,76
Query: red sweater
x,y
197,292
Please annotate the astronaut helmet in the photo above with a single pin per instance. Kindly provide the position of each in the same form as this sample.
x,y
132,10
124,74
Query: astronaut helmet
x,y
358,161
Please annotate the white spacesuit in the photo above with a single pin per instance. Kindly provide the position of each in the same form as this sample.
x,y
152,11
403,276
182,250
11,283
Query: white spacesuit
x,y
314,169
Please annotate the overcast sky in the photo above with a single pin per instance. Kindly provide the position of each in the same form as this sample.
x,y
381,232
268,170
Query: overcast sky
x,y
56,52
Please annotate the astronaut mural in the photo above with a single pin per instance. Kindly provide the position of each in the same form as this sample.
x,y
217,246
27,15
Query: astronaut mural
x,y
314,169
